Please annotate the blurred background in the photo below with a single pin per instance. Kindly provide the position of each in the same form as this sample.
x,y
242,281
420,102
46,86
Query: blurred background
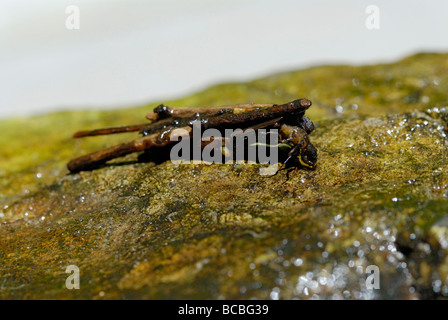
x,y
129,52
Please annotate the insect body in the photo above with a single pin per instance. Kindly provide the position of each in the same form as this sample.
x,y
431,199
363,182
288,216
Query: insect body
x,y
289,119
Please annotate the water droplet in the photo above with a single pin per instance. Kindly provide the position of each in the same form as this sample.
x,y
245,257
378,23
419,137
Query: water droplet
x,y
275,293
298,262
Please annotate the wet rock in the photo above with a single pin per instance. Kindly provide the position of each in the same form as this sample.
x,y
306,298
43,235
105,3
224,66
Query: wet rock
x,y
378,197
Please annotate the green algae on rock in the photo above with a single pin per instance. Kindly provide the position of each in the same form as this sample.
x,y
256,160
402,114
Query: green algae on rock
x,y
142,230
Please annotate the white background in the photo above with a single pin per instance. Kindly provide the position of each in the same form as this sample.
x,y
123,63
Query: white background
x,y
129,52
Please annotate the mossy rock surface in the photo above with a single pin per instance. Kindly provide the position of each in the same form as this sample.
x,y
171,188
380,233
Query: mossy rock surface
x,y
159,231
